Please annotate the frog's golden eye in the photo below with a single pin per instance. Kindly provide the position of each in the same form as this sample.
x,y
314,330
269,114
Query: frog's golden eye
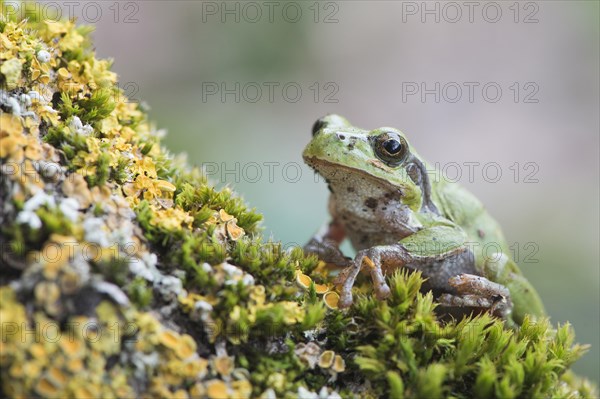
x,y
391,148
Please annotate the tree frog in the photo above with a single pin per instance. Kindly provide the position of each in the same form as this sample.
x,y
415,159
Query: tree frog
x,y
395,216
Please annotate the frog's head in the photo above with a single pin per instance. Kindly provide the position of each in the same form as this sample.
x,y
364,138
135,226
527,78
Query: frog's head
x,y
339,151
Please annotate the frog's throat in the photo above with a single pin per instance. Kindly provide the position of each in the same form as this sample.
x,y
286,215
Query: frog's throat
x,y
427,205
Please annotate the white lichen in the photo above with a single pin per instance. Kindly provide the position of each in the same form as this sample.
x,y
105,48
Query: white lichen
x,y
169,287
70,208
43,56
78,127
95,231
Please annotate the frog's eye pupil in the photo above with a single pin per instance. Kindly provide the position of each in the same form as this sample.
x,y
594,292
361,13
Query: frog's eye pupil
x,y
392,146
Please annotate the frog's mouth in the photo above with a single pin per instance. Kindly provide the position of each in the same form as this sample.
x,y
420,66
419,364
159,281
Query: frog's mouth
x,y
340,176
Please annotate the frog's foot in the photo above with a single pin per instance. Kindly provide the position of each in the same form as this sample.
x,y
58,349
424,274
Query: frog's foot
x,y
478,292
370,258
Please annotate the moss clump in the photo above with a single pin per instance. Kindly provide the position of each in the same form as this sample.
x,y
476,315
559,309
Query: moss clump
x,y
409,351
125,274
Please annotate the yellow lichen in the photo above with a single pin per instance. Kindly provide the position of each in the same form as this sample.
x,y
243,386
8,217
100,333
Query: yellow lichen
x,y
223,365
57,376
170,339
339,365
303,280
198,391
326,359
331,299
11,69
217,389
321,288
186,347
45,388
234,231
172,218
241,389
293,312
55,255
72,347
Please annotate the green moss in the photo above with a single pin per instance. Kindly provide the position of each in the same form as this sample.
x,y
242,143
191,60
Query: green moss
x,y
103,171
90,109
22,238
200,199
476,357
139,292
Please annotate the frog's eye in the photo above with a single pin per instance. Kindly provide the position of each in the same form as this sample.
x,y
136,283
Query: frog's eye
x,y
391,148
318,125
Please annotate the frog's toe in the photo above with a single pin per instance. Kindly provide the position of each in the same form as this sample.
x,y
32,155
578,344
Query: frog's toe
x,y
470,301
345,300
469,284
496,305
383,292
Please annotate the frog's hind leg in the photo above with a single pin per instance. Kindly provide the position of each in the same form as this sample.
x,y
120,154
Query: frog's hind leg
x,y
478,292
499,267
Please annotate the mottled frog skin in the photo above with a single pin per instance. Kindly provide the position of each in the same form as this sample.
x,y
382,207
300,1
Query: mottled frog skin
x,y
384,202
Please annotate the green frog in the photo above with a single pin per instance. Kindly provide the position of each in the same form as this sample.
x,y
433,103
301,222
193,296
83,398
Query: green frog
x,y
383,200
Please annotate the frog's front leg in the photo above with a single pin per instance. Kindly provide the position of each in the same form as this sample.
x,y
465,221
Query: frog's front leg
x,y
388,256
419,251
479,292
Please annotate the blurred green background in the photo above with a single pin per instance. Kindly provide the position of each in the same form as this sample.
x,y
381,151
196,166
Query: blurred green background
x,y
358,58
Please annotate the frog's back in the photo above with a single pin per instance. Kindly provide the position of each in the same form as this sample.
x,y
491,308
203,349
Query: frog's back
x,y
457,204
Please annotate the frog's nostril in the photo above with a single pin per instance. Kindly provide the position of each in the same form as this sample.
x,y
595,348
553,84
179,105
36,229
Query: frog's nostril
x,y
318,125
